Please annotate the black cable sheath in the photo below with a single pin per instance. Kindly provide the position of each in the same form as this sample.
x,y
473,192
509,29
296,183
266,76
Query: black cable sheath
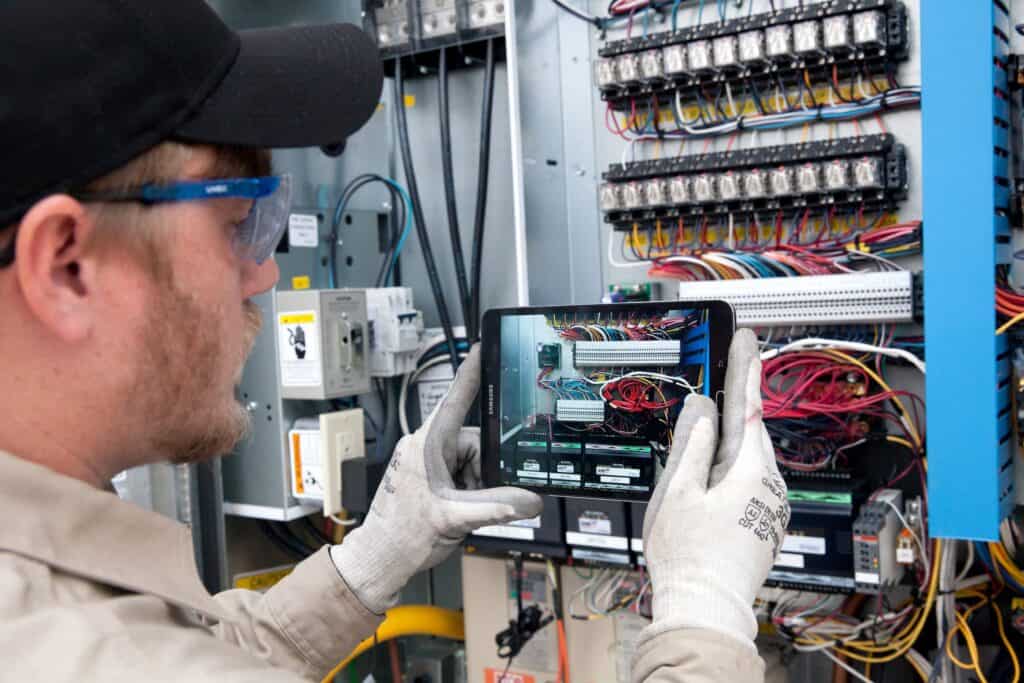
x,y
417,211
483,173
448,174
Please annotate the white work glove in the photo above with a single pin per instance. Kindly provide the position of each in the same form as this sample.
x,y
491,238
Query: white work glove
x,y
718,516
419,515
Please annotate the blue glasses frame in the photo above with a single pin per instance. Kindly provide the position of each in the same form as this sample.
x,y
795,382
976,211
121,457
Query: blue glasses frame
x,y
257,236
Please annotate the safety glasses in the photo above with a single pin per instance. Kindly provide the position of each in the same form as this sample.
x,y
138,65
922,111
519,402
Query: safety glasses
x,y
256,238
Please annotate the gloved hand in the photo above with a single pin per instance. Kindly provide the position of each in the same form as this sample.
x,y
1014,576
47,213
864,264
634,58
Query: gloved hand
x,y
419,515
717,517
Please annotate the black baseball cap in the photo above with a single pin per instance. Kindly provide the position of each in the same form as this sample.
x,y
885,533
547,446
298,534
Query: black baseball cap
x,y
88,85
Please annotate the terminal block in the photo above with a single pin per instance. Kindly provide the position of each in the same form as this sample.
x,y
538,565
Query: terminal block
x,y
627,353
579,410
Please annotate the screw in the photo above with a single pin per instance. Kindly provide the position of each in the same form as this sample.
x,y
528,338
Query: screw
x,y
580,171
252,406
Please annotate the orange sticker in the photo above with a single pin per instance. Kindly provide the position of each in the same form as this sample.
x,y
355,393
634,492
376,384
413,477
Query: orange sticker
x,y
495,676
297,462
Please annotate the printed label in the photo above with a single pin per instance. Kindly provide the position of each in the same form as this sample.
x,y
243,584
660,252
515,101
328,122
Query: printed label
x,y
614,480
299,349
497,676
611,542
532,523
527,474
618,471
506,531
565,467
532,466
565,477
303,231
597,556
905,555
636,545
432,387
807,545
261,581
595,525
307,463
867,577
790,560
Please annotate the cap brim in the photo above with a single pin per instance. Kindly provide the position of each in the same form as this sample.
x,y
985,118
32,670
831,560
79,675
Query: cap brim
x,y
300,86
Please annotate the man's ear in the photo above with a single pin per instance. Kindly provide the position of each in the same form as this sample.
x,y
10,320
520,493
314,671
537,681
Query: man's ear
x,y
57,283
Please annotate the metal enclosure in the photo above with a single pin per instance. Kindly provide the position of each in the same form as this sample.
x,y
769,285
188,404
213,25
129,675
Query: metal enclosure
x,y
970,473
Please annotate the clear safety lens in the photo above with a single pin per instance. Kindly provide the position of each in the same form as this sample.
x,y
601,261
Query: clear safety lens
x,y
258,236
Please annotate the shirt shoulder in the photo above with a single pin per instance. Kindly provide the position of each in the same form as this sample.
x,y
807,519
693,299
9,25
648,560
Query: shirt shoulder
x,y
65,628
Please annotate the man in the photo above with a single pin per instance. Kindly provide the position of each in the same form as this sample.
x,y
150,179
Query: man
x,y
138,215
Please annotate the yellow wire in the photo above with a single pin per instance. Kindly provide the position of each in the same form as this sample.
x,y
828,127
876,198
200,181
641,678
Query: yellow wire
x,y
913,665
1006,642
972,647
1010,323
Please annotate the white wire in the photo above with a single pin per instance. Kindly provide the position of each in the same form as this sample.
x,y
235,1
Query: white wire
x,y
853,672
623,264
819,343
342,522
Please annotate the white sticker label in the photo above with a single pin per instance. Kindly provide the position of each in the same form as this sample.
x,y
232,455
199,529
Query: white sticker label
x,y
307,463
565,467
618,471
531,466
636,545
565,477
611,542
790,560
867,577
298,344
614,480
505,531
532,523
806,545
597,556
595,525
303,231
905,555
432,387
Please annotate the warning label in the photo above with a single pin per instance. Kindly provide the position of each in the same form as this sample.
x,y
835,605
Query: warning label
x,y
299,349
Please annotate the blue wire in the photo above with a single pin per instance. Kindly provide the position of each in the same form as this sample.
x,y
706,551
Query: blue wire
x,y
405,231
700,13
675,14
646,17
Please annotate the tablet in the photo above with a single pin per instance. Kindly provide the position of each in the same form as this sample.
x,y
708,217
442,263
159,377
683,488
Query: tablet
x,y
581,401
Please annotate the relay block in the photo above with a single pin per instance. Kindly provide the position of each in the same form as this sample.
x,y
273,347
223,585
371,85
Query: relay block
x,y
396,331
876,539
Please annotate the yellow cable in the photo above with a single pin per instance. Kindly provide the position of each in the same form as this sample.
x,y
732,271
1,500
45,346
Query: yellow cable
x,y
1010,323
914,665
408,620
1006,642
972,648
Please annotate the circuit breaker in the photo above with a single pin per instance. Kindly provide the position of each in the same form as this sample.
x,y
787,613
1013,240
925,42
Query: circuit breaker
x,y
322,343
396,331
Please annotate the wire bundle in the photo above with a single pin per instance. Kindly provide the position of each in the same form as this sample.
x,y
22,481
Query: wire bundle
x,y
722,113
671,254
818,404
625,328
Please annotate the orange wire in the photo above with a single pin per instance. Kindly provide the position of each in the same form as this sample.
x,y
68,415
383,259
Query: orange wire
x,y
563,654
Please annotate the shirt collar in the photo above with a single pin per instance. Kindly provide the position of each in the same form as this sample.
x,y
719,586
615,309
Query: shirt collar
x,y
81,530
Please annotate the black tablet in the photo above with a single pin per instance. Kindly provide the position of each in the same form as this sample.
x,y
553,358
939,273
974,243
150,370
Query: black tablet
x,y
581,401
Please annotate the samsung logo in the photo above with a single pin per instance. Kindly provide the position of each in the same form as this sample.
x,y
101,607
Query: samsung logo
x,y
490,400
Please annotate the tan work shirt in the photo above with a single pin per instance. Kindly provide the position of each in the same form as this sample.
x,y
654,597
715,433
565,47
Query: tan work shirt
x,y
93,588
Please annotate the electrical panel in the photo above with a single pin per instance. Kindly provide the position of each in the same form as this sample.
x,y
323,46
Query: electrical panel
x,y
324,343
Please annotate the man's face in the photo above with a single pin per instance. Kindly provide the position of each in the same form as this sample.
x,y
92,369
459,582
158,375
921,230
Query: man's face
x,y
198,327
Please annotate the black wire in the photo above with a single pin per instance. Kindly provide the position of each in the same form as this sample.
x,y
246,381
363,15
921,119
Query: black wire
x,y
417,210
483,177
596,21
448,175
288,545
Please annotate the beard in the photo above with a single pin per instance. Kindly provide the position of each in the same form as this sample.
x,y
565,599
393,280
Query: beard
x,y
190,377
